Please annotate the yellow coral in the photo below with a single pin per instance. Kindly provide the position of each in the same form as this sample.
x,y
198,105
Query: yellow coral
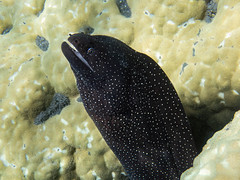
x,y
220,158
68,145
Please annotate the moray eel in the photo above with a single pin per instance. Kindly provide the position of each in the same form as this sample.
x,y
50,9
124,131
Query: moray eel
x,y
134,106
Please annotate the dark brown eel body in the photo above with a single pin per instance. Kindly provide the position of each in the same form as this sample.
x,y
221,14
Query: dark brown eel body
x,y
134,105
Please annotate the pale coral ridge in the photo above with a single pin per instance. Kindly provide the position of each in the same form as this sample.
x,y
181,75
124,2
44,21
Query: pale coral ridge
x,y
220,158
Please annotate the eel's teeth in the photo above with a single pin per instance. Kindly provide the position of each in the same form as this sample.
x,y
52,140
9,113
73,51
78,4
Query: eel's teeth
x,y
72,47
78,54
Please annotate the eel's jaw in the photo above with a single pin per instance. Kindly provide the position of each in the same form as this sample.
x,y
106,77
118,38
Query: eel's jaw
x,y
68,46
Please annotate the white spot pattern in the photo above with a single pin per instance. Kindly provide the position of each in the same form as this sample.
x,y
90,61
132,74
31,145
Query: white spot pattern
x,y
134,106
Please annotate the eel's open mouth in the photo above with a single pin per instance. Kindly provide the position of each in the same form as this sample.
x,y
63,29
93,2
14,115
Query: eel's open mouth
x,y
70,46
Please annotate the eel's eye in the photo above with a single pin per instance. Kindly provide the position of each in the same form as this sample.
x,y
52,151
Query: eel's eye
x,y
90,51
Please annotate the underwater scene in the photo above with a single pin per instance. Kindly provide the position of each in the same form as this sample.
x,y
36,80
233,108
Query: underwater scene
x,y
119,89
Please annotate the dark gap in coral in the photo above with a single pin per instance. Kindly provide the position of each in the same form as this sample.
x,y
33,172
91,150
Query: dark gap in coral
x,y
86,30
59,101
42,43
79,99
201,136
193,53
207,1
123,8
199,31
7,30
211,10
183,67
42,8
